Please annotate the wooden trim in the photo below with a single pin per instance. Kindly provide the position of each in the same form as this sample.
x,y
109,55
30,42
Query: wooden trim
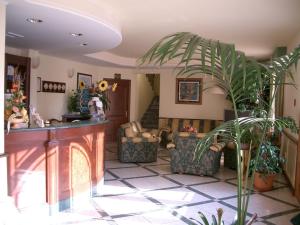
x,y
290,137
297,178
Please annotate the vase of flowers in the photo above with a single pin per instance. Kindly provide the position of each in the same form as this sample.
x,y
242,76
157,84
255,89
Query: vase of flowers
x,y
99,102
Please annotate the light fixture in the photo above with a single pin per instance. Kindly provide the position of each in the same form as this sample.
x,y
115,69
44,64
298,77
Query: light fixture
x,y
84,44
76,34
34,20
14,35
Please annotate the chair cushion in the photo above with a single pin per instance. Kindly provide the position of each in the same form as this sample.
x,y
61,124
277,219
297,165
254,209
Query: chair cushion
x,y
129,132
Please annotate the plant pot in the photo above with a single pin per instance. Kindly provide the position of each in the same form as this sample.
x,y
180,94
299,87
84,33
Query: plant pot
x,y
263,182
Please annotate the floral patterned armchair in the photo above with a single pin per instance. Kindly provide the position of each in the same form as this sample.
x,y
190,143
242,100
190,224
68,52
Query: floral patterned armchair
x,y
136,144
182,155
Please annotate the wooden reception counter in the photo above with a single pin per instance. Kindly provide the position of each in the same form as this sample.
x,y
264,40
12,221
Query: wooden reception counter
x,y
49,167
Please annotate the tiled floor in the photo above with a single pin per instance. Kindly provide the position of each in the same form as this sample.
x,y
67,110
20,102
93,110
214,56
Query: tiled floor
x,y
149,194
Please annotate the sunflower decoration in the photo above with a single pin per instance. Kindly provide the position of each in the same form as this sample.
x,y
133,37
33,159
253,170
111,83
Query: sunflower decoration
x,y
114,87
103,85
81,85
100,90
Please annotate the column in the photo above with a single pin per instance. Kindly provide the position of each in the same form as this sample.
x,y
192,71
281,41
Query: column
x,y
3,165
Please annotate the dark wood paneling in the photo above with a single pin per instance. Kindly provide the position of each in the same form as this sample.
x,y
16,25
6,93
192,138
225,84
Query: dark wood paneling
x,y
119,108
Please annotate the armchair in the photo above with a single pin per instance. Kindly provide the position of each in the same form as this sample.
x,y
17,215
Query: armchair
x,y
136,144
182,155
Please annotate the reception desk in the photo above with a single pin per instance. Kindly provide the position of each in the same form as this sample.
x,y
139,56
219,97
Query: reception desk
x,y
50,167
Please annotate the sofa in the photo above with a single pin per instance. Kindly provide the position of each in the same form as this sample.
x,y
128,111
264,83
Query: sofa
x,y
182,152
168,126
136,144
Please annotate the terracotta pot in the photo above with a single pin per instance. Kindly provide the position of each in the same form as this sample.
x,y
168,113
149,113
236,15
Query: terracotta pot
x,y
263,182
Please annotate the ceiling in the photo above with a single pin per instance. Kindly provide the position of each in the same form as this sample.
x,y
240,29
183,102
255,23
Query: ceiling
x,y
119,31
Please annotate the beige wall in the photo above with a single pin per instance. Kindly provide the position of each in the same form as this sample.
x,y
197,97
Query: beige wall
x,y
144,96
3,179
212,104
53,105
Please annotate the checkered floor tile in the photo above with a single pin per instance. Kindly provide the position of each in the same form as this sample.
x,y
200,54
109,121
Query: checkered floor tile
x,y
149,194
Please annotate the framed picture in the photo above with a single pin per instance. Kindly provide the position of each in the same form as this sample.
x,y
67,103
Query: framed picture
x,y
38,84
189,91
84,80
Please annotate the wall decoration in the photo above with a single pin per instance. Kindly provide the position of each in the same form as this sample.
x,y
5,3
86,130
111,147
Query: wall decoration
x,y
189,91
117,76
54,87
84,81
38,84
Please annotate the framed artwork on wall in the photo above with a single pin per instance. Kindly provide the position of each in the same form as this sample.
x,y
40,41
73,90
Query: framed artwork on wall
x,y
84,80
189,91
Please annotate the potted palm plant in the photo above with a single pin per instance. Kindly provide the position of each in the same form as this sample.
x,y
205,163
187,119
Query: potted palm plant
x,y
268,165
241,78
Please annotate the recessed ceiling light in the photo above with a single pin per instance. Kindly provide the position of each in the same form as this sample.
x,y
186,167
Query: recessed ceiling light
x,y
14,35
83,44
76,34
34,20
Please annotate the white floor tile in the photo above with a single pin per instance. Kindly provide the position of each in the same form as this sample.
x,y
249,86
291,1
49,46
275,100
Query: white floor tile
x,y
131,172
115,187
207,210
162,217
217,190
161,169
190,179
116,164
151,183
283,194
108,176
176,196
225,173
285,219
125,204
263,206
133,220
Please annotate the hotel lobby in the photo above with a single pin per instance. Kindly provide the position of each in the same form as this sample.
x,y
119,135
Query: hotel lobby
x,y
93,136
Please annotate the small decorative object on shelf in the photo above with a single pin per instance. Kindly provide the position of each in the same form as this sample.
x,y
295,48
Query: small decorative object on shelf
x,y
36,118
15,112
96,109
54,87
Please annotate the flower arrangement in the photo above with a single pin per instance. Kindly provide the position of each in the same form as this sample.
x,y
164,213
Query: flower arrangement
x,y
100,90
15,112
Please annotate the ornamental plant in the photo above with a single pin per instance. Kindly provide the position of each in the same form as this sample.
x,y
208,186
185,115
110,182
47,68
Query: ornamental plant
x,y
100,90
243,79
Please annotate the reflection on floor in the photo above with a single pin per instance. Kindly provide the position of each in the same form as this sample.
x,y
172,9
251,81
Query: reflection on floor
x,y
148,193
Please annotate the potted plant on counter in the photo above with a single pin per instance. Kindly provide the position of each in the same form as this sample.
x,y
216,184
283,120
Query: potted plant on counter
x,y
267,166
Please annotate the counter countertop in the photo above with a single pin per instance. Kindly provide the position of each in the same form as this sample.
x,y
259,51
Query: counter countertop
x,y
82,123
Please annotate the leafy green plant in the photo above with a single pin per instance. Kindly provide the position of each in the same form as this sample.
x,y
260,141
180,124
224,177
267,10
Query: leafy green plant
x,y
73,101
269,160
243,79
215,220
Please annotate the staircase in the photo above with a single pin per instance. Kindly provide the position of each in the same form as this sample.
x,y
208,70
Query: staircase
x,y
150,117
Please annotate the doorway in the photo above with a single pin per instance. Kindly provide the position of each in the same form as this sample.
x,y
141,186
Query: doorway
x,y
119,110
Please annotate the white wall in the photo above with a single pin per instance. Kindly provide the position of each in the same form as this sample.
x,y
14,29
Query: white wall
x,y
144,96
3,171
212,107
53,105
